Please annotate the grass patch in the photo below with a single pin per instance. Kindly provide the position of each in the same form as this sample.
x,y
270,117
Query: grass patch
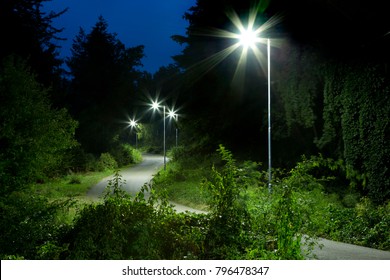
x,y
183,185
70,186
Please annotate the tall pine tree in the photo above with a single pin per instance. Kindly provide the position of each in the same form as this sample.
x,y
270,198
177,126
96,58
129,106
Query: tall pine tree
x,y
27,32
103,86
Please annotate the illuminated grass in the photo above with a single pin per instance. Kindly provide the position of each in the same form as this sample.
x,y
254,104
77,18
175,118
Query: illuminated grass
x,y
71,186
183,186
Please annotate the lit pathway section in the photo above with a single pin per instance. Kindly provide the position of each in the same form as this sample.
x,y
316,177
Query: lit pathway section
x,y
135,178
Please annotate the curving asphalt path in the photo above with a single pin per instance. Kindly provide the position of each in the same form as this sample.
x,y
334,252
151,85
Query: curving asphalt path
x,y
136,176
332,250
134,179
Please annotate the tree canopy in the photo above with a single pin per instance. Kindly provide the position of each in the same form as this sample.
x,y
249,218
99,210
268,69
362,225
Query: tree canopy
x,y
28,32
103,86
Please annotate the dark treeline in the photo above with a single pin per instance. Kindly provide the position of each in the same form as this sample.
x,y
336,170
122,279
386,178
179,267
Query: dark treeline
x,y
330,96
329,84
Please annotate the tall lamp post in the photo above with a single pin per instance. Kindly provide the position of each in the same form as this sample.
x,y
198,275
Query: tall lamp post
x,y
248,38
134,124
172,115
155,106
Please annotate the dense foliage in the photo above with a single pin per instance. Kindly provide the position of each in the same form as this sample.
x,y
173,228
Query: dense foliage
x,y
34,137
330,95
244,220
342,110
360,107
317,197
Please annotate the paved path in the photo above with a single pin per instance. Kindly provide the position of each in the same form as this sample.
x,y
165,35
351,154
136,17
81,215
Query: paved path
x,y
333,250
135,177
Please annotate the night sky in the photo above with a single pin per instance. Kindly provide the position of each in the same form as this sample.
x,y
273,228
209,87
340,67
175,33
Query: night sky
x,y
137,22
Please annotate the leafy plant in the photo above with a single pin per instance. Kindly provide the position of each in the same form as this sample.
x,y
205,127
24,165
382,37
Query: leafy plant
x,y
356,110
29,222
107,161
125,154
140,227
34,137
288,226
229,219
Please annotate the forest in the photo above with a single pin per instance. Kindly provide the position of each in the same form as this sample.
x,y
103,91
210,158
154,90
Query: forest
x,y
330,130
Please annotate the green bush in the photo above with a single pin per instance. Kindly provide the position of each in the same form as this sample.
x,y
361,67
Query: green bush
x,y
136,155
133,228
28,223
229,219
125,154
289,225
356,123
177,153
365,225
107,162
277,223
34,137
91,163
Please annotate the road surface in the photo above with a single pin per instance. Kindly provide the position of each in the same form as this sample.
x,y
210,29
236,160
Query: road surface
x,y
136,176
134,179
333,250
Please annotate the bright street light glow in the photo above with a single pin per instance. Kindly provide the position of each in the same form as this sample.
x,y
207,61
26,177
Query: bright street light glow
x,y
172,114
247,35
133,123
155,105
248,38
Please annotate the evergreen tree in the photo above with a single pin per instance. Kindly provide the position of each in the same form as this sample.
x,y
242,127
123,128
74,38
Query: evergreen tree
x,y
103,87
28,32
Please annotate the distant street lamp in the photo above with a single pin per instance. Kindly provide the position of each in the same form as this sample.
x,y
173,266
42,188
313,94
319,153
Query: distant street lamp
x,y
155,106
172,115
133,124
248,39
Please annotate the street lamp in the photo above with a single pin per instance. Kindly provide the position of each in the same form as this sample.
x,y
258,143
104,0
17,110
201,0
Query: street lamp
x,y
133,124
155,106
172,115
248,39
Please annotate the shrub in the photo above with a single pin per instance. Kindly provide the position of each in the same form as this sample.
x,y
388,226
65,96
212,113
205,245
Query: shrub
x,y
276,224
134,228
229,219
34,137
28,223
136,155
75,179
106,162
288,225
365,225
125,154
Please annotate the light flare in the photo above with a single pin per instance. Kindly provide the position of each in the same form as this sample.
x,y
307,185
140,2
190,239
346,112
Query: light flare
x,y
133,123
248,36
172,114
155,105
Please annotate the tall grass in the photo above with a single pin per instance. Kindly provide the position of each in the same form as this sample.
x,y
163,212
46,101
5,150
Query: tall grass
x,y
70,186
